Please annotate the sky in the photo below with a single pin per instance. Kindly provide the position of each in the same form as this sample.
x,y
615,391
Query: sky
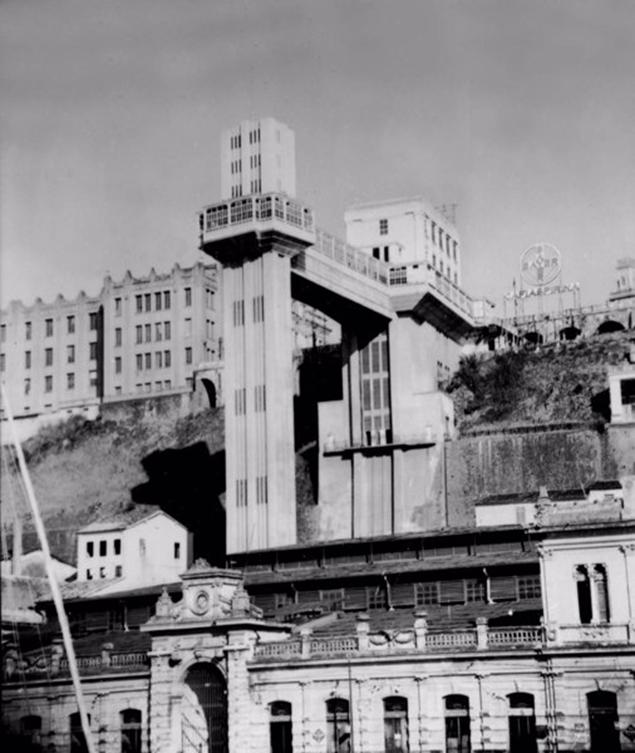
x,y
521,113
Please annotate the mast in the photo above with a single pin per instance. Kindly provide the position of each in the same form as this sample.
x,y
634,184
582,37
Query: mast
x,y
55,589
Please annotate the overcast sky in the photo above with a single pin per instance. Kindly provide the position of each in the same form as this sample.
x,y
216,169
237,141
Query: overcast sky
x,y
523,113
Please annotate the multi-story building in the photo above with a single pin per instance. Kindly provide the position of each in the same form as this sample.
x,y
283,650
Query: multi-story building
x,y
410,234
138,337
257,156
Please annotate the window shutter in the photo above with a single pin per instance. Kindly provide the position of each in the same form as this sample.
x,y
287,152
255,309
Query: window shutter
x,y
451,592
402,594
503,588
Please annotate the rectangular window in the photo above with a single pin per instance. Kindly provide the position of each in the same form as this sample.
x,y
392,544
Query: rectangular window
x,y
70,324
166,299
138,334
240,401
260,398
148,360
118,571
474,590
70,354
102,572
139,303
2,361
48,357
48,383
92,347
167,384
158,386
148,333
28,330
529,587
239,313
376,597
148,301
92,320
158,360
90,548
258,305
27,386
118,365
167,359
117,306
118,337
139,360
3,332
70,381
92,378
117,546
209,298
188,296
27,359
48,327
383,227
89,575
187,330
103,548
188,355
157,301
426,593
167,330
177,550
158,334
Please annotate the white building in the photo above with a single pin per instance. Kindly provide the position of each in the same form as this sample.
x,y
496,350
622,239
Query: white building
x,y
409,232
155,549
257,156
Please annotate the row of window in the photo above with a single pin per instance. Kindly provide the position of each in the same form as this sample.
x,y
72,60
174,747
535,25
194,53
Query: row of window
x,y
162,360
159,386
103,547
93,321
162,331
521,725
49,355
32,736
70,382
240,400
162,300
464,591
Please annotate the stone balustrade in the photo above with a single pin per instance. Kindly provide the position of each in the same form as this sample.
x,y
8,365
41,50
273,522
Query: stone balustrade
x,y
418,639
54,663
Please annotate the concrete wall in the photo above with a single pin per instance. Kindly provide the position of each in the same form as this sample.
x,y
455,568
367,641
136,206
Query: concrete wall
x,y
506,463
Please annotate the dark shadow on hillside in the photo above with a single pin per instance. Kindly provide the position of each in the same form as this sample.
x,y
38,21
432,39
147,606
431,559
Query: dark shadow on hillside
x,y
187,484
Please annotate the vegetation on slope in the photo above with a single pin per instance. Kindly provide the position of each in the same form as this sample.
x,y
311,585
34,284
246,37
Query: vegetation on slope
x,y
560,382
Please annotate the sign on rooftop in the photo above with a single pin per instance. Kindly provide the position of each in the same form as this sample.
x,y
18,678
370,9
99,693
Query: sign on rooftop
x,y
540,264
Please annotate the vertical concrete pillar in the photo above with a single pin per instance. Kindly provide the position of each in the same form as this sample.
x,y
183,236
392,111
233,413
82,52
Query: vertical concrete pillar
x,y
160,703
239,733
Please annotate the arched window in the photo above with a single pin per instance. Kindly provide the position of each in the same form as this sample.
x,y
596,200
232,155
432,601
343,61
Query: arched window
x,y
583,584
603,719
457,724
78,741
130,731
280,731
338,726
602,593
30,733
522,723
396,725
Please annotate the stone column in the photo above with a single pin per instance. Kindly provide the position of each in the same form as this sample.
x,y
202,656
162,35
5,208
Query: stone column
x,y
421,628
160,703
362,628
239,731
481,633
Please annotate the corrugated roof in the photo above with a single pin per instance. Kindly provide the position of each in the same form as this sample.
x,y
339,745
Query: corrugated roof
x,y
361,569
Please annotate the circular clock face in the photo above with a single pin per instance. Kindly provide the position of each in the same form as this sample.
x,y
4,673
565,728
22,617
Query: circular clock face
x,y
540,264
201,602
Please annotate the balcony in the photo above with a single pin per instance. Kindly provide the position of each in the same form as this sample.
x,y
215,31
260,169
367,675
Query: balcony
x,y
256,214
379,442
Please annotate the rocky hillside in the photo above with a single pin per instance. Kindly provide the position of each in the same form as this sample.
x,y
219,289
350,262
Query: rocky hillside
x,y
560,382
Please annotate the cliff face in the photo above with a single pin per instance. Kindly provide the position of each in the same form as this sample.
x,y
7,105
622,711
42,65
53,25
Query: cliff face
x,y
561,382
84,471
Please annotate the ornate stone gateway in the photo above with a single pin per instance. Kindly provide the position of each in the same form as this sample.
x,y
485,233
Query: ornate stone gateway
x,y
198,663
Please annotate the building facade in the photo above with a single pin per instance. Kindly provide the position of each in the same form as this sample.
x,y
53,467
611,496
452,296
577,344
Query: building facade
x,y
139,337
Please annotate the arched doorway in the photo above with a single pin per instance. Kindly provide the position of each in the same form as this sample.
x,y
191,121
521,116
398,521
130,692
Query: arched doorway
x,y
210,388
204,710
608,326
